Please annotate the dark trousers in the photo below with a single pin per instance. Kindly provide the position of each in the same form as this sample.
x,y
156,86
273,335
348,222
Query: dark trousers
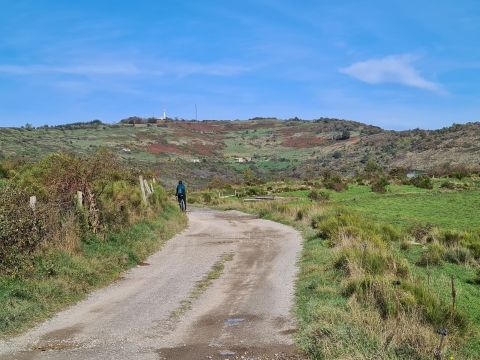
x,y
184,197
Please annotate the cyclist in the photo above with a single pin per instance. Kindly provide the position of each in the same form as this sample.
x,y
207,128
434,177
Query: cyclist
x,y
181,194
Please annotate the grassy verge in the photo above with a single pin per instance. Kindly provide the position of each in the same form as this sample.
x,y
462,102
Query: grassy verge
x,y
364,288
58,278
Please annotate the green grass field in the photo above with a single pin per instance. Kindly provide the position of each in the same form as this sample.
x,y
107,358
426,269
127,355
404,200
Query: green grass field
x,y
335,325
406,205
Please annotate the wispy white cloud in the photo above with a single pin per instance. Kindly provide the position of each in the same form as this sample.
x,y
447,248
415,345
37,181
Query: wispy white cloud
x,y
87,69
396,69
128,69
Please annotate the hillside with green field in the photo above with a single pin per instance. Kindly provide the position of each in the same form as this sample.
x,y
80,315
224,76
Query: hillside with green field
x,y
271,148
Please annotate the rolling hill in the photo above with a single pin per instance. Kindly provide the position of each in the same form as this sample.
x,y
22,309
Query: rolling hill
x,y
272,148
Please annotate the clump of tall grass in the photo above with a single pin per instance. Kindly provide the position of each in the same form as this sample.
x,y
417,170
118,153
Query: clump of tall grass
x,y
375,277
432,255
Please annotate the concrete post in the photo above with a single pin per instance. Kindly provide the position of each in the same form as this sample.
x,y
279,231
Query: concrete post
x,y
33,202
142,188
80,199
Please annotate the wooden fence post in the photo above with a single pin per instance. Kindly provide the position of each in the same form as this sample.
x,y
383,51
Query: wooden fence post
x,y
33,202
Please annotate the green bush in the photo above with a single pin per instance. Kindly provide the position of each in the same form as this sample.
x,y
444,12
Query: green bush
x,y
300,214
3,172
253,191
22,230
334,182
318,195
111,201
476,279
121,203
448,185
422,181
207,198
379,185
420,231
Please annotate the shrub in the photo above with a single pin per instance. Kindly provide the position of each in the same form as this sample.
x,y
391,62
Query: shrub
x,y
476,279
334,182
207,198
460,173
120,204
420,231
372,169
398,173
318,195
300,214
316,220
422,181
448,185
379,185
3,172
22,230
193,199
217,183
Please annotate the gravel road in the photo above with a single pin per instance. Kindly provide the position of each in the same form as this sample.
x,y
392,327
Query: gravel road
x,y
153,312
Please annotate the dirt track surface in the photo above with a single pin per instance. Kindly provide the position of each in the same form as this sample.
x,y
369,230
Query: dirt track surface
x,y
244,314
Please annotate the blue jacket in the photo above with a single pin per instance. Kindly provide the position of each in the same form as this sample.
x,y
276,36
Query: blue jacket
x,y
180,190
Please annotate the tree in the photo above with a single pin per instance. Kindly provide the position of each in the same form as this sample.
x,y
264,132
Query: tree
x,y
249,177
372,168
345,135
216,183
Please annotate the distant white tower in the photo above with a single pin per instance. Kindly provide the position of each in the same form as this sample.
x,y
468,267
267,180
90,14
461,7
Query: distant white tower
x,y
164,114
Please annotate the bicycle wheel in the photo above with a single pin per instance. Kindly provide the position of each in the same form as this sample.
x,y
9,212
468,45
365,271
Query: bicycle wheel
x,y
182,205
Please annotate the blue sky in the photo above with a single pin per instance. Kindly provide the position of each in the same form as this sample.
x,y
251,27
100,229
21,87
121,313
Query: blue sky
x,y
396,64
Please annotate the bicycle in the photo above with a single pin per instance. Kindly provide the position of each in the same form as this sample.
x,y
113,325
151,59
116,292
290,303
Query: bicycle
x,y
181,203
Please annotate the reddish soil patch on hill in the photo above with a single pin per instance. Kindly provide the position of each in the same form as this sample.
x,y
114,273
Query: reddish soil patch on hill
x,y
164,149
194,148
306,141
198,135
198,126
203,149
353,140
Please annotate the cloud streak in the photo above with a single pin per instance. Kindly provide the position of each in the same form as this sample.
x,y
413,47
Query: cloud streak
x,y
394,69
127,69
